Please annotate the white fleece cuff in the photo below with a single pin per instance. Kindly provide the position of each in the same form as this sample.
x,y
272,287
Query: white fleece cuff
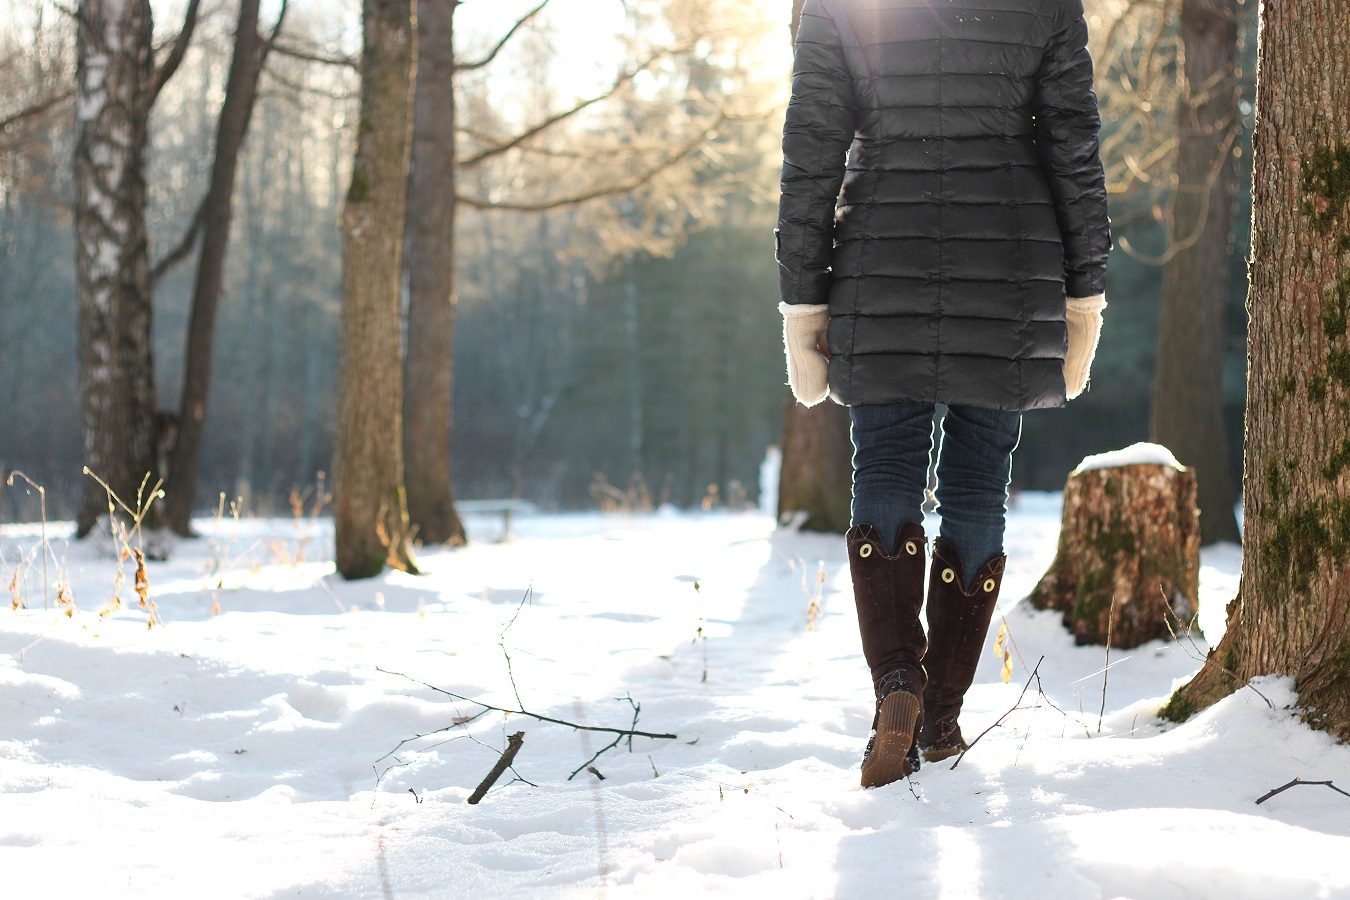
x,y
790,310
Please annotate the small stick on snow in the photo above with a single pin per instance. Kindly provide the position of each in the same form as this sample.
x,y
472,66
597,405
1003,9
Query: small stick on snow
x,y
1297,781
513,744
1106,670
1016,706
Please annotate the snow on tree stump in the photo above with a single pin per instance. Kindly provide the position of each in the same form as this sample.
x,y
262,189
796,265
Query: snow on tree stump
x,y
1129,548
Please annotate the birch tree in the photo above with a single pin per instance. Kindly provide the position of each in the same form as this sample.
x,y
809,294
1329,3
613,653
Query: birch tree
x,y
117,82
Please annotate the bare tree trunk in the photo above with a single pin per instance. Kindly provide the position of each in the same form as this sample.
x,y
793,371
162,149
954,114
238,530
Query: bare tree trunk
x,y
429,387
817,453
115,72
816,476
1292,615
1188,383
369,505
241,90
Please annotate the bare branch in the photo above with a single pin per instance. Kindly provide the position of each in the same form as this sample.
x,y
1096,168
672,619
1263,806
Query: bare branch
x,y
1295,783
623,187
184,247
296,87
276,30
1016,706
513,744
179,49
311,55
621,732
543,125
37,107
492,54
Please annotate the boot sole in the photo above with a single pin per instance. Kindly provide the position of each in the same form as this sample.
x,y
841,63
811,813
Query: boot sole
x,y
937,754
896,723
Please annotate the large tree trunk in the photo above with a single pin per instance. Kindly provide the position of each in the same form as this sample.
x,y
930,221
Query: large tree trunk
x,y
241,90
115,75
369,507
429,388
1188,382
815,477
1292,614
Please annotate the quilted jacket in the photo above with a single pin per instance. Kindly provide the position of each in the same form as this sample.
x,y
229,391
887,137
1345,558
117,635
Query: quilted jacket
x,y
942,191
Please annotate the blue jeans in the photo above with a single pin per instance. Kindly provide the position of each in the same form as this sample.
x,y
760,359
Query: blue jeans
x,y
892,444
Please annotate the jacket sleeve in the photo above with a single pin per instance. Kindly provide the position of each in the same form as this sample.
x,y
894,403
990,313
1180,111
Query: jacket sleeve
x,y
816,138
1067,125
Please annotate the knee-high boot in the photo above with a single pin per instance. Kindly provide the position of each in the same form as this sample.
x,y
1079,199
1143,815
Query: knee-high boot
x,y
958,621
888,590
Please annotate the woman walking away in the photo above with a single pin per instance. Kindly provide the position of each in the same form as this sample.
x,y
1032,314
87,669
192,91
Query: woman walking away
x,y
942,239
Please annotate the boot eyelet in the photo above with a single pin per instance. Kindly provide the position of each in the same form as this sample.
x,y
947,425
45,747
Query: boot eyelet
x,y
911,548
865,551
989,585
948,576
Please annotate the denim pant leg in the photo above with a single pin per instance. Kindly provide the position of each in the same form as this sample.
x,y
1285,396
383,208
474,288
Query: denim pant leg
x,y
973,472
892,444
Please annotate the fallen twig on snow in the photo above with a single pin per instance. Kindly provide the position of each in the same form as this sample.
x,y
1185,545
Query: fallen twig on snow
x,y
620,733
1297,781
999,721
637,709
513,745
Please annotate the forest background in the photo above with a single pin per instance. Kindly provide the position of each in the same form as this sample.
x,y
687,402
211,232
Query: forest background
x,y
622,351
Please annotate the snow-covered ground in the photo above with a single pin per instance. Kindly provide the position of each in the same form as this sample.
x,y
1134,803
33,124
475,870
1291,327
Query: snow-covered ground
x,y
247,753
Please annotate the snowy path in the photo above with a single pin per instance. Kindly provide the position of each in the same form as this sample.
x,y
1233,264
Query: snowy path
x,y
235,755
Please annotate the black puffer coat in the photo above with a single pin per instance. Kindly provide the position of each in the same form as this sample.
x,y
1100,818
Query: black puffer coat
x,y
972,198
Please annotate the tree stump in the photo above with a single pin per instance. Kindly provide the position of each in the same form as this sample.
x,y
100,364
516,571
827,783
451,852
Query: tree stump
x,y
1129,549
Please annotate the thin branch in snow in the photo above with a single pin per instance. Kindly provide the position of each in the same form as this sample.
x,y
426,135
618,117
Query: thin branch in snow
x,y
513,745
1194,651
1106,670
510,674
1297,781
619,732
999,721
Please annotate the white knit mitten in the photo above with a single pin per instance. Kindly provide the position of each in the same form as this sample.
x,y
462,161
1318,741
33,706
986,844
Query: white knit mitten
x,y
803,334
1084,318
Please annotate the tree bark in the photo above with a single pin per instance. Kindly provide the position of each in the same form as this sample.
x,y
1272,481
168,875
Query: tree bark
x,y
816,473
429,379
369,506
1129,555
1292,614
817,470
115,74
241,90
1188,383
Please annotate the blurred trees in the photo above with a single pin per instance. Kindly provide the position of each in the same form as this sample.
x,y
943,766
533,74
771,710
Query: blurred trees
x,y
1175,78
627,139
1188,398
213,220
634,337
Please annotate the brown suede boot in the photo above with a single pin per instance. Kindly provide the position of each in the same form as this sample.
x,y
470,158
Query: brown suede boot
x,y
958,621
888,591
